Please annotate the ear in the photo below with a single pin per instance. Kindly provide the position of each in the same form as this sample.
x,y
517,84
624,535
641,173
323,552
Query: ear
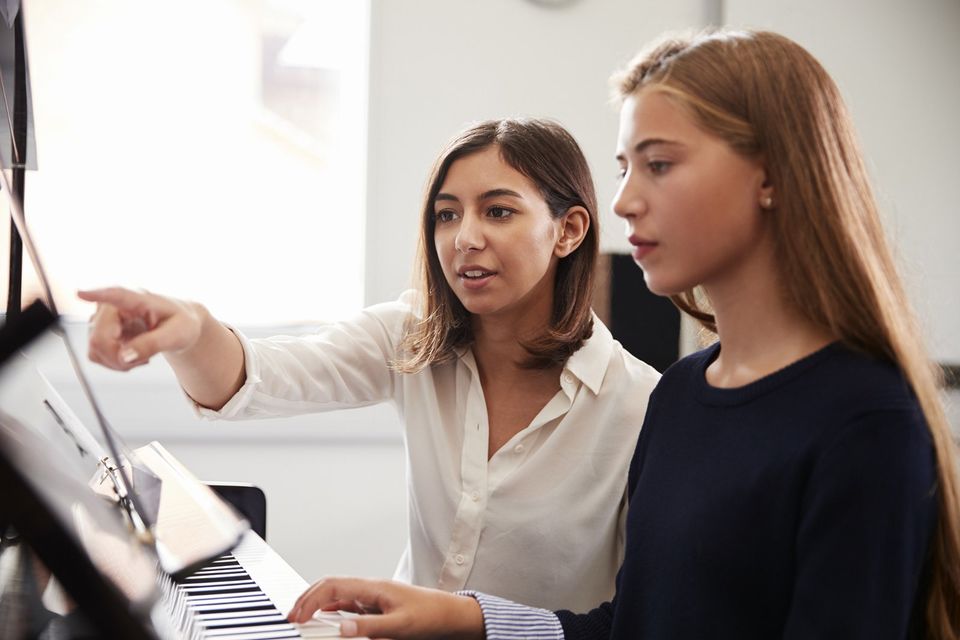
x,y
766,194
574,225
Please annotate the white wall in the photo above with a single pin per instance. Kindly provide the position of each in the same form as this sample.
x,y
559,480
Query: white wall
x,y
334,482
437,65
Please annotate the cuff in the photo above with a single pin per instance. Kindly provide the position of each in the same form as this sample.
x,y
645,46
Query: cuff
x,y
506,620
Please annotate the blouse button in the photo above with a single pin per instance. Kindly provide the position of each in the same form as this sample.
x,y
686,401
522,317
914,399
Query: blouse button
x,y
460,559
567,378
475,496
518,448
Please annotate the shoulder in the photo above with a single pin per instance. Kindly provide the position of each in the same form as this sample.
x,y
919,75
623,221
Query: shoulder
x,y
874,403
379,327
864,383
867,418
406,305
393,315
623,369
852,390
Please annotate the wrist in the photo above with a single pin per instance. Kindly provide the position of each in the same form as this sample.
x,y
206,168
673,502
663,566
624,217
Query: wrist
x,y
467,618
195,327
205,327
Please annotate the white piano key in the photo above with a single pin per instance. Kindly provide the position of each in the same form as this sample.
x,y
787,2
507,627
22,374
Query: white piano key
x,y
266,635
218,633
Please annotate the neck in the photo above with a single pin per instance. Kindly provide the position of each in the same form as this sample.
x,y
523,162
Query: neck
x,y
498,338
760,331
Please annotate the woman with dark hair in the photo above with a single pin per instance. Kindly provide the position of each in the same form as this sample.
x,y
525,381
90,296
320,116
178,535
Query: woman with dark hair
x,y
796,479
515,398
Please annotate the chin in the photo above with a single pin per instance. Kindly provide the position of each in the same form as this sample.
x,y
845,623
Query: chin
x,y
478,308
474,304
663,286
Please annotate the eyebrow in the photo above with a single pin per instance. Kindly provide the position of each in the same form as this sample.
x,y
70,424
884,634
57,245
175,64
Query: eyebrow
x,y
643,145
486,195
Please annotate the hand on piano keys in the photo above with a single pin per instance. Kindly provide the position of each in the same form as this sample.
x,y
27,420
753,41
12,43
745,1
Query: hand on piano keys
x,y
391,609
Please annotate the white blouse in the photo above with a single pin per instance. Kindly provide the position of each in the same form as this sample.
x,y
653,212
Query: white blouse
x,y
542,521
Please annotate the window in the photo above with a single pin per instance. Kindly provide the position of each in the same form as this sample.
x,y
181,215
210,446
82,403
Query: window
x,y
206,150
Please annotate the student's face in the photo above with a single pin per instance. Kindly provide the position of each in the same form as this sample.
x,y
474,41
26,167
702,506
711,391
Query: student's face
x,y
692,205
495,236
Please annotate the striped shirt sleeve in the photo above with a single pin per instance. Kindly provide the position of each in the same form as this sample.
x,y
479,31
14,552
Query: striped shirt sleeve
x,y
506,620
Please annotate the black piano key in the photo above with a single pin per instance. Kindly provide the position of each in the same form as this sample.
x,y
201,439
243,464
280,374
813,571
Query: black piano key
x,y
263,607
246,597
201,580
231,615
238,588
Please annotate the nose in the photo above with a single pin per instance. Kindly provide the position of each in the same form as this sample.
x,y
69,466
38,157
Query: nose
x,y
629,201
469,235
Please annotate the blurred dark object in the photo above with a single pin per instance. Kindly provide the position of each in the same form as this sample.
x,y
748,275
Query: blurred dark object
x,y
249,500
647,325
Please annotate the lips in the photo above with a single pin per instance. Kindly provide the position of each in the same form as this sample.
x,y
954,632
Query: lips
x,y
475,276
642,247
474,271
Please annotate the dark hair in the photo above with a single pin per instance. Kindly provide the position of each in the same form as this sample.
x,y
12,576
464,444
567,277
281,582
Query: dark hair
x,y
548,155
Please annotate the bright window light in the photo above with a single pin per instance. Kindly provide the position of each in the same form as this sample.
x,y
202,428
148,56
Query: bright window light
x,y
207,150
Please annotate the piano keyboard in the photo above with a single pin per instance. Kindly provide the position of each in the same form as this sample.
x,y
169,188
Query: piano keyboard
x,y
243,595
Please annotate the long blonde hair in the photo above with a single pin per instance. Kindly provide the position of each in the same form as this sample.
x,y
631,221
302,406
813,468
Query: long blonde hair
x,y
769,98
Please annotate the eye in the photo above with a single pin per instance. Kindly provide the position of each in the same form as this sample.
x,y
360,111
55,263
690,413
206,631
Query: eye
x,y
621,173
499,213
445,215
658,167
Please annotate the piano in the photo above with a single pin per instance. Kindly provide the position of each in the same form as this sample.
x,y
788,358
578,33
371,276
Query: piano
x,y
243,594
198,572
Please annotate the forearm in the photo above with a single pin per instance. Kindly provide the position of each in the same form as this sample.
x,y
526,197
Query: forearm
x,y
212,370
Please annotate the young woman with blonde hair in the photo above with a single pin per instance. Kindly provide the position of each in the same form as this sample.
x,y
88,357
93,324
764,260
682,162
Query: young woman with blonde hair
x,y
796,479
514,396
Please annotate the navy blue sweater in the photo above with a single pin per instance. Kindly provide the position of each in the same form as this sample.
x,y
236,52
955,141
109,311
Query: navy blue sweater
x,y
798,506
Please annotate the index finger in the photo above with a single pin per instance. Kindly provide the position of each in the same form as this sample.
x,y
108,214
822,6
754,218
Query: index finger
x,y
119,297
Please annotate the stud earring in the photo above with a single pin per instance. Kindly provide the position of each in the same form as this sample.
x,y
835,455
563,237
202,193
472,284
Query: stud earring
x,y
767,202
